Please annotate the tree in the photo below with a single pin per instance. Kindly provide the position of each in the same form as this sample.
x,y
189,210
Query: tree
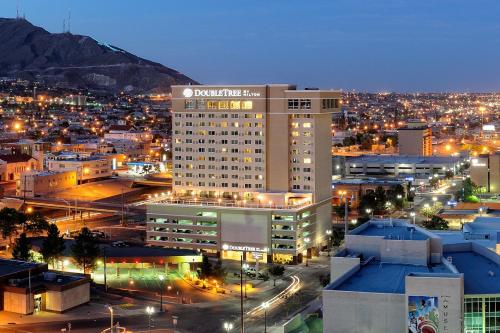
x,y
436,223
381,199
448,174
340,210
52,246
219,272
206,269
36,223
85,250
337,237
10,220
430,211
276,272
396,195
433,182
368,202
21,249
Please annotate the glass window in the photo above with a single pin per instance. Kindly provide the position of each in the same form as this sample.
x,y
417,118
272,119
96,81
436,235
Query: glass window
x,y
235,105
223,105
247,105
201,104
212,105
189,104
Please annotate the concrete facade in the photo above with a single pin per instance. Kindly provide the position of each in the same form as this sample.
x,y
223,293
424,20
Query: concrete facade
x,y
485,172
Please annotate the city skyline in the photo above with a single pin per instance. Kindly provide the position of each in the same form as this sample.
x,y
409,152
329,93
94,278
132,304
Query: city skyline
x,y
383,46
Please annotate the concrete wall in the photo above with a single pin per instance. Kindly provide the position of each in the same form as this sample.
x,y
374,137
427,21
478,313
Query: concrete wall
x,y
408,252
448,290
351,312
340,265
17,303
67,299
368,246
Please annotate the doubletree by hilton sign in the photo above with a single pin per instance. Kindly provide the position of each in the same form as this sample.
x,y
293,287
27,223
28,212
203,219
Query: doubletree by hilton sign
x,y
223,92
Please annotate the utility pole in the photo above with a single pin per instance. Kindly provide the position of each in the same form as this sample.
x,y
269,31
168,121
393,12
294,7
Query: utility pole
x,y
123,209
105,281
241,294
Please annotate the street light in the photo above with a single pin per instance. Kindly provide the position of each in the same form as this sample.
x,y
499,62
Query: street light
x,y
369,211
265,305
228,327
162,278
245,267
110,308
149,310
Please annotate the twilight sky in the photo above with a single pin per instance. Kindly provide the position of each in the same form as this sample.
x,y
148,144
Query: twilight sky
x,y
367,45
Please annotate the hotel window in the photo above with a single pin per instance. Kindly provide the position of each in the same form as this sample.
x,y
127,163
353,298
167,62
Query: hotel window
x,y
212,105
248,142
235,105
293,104
306,125
247,160
235,115
234,142
305,104
189,104
201,104
248,185
247,105
295,125
258,116
235,185
295,133
307,160
223,105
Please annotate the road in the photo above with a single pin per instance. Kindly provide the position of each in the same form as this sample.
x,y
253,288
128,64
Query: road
x,y
207,317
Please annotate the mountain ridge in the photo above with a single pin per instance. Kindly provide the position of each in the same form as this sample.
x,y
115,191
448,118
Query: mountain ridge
x,y
78,61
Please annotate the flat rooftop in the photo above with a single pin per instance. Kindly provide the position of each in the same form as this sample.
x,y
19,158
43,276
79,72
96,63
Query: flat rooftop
x,y
377,277
403,159
481,275
11,266
361,181
396,232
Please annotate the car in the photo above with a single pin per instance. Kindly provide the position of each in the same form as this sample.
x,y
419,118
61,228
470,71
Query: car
x,y
119,244
98,234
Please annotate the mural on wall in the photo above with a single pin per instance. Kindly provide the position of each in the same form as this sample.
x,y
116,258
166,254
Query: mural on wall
x,y
423,314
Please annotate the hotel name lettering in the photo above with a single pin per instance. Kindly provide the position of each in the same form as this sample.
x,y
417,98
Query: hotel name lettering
x,y
222,92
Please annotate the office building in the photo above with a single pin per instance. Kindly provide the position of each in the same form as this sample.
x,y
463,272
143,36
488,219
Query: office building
x,y
88,167
485,171
393,276
251,171
36,183
415,139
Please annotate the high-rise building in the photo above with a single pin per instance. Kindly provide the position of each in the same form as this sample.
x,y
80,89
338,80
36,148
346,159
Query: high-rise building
x,y
415,139
251,172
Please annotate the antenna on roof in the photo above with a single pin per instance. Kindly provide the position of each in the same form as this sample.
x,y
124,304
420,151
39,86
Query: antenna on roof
x,y
64,26
69,20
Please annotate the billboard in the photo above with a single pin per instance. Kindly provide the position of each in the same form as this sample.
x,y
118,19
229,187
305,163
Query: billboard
x,y
423,314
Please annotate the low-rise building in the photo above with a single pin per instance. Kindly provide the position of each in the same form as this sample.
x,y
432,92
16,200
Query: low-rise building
x,y
417,169
12,166
33,183
88,168
393,276
27,288
355,188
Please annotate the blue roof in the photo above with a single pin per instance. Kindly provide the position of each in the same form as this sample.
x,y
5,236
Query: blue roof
x,y
393,232
379,277
476,269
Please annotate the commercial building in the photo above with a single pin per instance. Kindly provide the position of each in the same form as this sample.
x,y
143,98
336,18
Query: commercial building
x,y
393,276
251,172
485,171
87,167
415,139
30,287
417,169
36,183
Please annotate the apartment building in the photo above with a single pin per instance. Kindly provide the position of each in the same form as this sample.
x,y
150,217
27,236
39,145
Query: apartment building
x,y
251,172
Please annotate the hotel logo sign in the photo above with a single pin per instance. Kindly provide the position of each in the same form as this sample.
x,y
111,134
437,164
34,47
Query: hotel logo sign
x,y
223,92
243,248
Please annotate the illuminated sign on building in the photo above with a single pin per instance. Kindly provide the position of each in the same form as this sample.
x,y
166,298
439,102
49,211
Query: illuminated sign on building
x,y
223,92
477,163
243,248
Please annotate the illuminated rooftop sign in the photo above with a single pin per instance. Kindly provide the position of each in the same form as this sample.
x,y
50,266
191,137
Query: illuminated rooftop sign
x,y
223,92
